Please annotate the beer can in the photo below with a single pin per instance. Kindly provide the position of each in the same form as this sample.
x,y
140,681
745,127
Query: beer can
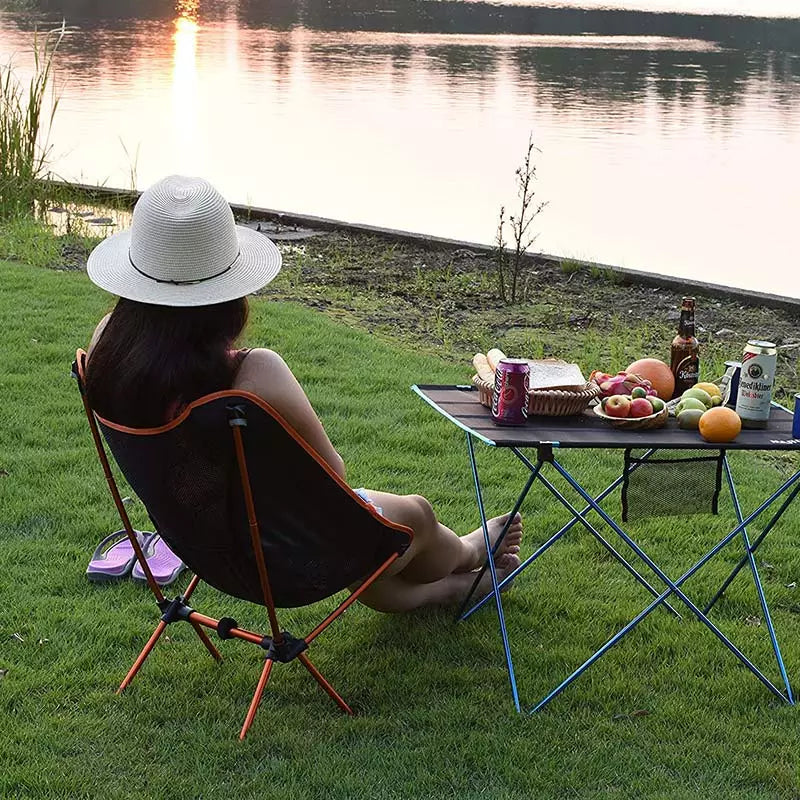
x,y
796,418
510,397
755,383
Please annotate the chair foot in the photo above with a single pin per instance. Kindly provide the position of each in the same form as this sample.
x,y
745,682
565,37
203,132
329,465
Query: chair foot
x,y
306,662
160,628
254,703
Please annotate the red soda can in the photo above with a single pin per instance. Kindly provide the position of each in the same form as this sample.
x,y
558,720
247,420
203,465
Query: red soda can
x,y
510,398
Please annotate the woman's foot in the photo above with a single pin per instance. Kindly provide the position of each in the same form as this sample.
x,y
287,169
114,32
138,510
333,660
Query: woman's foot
x,y
503,569
508,547
393,594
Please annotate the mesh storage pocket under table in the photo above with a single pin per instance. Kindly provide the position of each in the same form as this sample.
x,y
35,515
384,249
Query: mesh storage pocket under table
x,y
681,483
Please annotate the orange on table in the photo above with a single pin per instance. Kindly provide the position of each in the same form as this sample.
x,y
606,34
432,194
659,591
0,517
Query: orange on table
x,y
720,424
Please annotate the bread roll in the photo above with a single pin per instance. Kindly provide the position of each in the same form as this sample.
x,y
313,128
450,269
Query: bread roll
x,y
481,364
494,356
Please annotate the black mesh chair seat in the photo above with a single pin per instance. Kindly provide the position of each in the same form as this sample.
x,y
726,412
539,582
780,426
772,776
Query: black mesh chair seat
x,y
317,534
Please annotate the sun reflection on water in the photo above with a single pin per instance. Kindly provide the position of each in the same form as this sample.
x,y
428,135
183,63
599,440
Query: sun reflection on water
x,y
187,9
184,83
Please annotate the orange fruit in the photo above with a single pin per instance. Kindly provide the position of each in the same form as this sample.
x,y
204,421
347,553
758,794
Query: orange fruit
x,y
720,424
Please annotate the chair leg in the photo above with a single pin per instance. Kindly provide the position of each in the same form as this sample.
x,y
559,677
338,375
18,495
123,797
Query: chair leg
x,y
207,642
306,662
254,703
160,628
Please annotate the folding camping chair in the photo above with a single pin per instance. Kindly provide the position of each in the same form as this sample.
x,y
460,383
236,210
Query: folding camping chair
x,y
253,511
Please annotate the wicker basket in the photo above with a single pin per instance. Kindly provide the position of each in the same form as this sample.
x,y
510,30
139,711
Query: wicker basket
x,y
545,402
657,420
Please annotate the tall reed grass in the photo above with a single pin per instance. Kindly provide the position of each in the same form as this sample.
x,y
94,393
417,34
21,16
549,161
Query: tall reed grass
x,y
26,118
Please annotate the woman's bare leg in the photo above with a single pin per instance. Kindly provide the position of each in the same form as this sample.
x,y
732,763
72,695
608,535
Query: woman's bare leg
x,y
436,551
395,594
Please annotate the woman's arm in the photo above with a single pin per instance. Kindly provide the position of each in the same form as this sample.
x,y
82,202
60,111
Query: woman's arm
x,y
267,375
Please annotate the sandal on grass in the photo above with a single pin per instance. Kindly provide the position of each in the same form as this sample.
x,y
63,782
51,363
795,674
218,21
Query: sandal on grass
x,y
114,557
163,563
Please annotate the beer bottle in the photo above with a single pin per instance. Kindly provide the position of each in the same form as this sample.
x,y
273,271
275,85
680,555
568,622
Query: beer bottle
x,y
685,360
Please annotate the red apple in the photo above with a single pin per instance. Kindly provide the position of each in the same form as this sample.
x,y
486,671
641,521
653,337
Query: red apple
x,y
640,407
619,406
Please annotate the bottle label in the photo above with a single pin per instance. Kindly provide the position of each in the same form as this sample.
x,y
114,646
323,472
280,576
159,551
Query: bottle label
x,y
688,371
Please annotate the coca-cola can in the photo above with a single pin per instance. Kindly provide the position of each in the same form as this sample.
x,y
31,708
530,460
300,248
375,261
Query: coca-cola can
x,y
510,398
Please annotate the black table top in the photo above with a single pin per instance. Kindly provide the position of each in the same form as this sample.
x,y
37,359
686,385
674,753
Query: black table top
x,y
461,406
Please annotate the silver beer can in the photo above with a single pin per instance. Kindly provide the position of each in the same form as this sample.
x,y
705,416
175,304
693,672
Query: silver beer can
x,y
755,383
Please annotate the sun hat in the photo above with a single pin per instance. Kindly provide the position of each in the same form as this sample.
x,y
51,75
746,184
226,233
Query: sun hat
x,y
183,249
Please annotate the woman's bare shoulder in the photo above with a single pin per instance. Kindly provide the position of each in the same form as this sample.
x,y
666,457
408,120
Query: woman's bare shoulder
x,y
98,331
260,368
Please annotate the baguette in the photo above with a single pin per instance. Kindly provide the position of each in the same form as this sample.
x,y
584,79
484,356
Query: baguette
x,y
481,364
494,356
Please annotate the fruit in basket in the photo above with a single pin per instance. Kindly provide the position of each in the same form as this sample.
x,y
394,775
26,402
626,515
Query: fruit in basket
x,y
656,403
640,407
720,424
689,418
700,394
622,383
618,405
638,391
687,403
657,373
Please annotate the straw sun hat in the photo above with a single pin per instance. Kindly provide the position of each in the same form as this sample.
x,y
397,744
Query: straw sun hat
x,y
183,249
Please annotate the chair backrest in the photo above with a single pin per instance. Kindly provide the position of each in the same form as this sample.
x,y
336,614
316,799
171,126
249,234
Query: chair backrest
x,y
317,535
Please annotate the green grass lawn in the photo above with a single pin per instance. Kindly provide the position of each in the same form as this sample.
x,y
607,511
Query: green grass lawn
x,y
666,714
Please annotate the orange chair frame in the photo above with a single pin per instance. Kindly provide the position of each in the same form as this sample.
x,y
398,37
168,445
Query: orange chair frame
x,y
280,645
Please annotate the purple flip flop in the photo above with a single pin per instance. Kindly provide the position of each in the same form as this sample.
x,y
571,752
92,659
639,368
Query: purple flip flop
x,y
114,557
163,563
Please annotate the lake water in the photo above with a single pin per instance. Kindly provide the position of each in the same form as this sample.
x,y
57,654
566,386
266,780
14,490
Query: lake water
x,y
667,141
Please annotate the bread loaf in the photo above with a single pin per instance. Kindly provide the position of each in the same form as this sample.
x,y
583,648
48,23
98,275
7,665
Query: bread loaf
x,y
494,356
481,364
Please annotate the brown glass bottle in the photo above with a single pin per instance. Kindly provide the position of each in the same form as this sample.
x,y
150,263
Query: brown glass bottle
x,y
685,356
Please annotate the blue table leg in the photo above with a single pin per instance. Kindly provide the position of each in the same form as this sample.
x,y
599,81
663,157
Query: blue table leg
x,y
757,580
496,589
763,535
461,615
673,587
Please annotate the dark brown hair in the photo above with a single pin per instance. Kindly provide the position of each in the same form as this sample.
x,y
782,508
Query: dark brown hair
x,y
150,360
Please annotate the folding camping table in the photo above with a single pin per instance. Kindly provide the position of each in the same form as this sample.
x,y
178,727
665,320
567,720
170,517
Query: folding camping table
x,y
547,435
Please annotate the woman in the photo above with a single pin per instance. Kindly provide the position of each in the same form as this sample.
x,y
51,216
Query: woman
x,y
182,273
